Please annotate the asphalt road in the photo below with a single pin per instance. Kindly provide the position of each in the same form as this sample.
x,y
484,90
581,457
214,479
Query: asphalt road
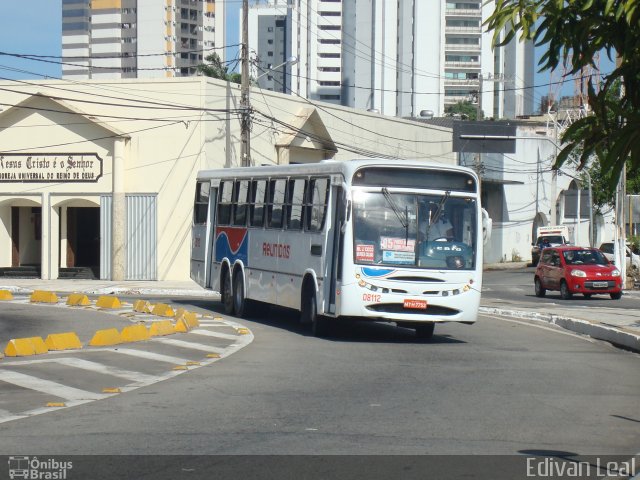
x,y
497,387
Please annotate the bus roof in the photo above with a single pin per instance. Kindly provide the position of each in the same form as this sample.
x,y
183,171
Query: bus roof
x,y
347,168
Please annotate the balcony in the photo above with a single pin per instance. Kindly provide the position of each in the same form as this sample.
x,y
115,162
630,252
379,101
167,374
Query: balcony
x,y
465,65
462,47
465,82
463,12
473,30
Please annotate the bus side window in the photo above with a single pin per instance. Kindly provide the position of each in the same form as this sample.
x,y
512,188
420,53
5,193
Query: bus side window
x,y
225,202
240,199
319,192
258,198
295,201
275,206
201,204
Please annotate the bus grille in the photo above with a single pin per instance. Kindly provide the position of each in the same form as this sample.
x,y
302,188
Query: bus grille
x,y
399,308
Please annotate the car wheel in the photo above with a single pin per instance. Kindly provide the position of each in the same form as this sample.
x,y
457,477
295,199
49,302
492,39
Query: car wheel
x,y
587,295
616,296
564,291
425,330
227,293
540,290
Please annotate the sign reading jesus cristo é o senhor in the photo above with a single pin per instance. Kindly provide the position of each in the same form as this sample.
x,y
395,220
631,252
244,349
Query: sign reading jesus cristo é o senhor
x,y
50,167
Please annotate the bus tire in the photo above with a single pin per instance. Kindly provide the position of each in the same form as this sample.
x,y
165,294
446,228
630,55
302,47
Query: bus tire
x,y
425,330
309,313
242,306
226,292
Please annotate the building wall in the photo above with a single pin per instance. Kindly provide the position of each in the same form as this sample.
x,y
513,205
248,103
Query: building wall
x,y
107,39
173,128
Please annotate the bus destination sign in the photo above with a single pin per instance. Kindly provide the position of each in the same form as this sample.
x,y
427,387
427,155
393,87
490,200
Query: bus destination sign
x,y
50,167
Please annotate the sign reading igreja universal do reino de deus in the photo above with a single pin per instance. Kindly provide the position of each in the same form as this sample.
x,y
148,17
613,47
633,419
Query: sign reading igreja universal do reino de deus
x,y
50,167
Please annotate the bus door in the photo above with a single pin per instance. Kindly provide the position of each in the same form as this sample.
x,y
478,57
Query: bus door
x,y
202,233
335,237
210,237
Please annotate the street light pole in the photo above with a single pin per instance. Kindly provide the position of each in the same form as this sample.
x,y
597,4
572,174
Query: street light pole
x,y
245,125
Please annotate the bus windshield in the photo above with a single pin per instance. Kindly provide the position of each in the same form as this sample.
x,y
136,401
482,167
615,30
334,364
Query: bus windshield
x,y
412,230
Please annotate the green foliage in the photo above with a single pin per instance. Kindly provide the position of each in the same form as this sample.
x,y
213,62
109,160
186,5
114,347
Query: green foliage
x,y
572,32
214,68
465,108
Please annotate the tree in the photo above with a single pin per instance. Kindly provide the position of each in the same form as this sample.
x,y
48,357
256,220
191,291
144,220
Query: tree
x,y
214,68
465,108
573,32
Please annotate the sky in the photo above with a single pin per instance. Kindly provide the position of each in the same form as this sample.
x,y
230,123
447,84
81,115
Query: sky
x,y
42,36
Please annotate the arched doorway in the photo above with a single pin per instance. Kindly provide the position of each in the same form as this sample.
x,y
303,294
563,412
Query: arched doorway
x,y
540,220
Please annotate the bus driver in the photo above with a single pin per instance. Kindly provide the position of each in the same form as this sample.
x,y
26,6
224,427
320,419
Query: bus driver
x,y
438,228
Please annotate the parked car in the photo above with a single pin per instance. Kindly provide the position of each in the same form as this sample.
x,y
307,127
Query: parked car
x,y
633,260
571,269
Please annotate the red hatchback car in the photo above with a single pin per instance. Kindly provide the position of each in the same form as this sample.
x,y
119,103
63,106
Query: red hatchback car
x,y
576,270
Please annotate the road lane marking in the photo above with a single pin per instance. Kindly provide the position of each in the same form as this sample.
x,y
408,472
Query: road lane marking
x,y
207,333
48,387
158,357
190,345
93,367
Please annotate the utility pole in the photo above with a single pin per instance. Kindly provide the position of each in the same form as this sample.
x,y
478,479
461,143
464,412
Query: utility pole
x,y
245,124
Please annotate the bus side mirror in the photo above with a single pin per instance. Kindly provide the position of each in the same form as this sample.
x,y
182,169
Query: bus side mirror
x,y
487,225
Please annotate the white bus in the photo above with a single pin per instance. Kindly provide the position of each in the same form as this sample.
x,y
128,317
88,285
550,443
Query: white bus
x,y
397,241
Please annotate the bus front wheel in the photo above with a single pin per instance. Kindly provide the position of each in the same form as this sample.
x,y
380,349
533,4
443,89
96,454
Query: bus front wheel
x,y
425,330
309,314
242,306
227,293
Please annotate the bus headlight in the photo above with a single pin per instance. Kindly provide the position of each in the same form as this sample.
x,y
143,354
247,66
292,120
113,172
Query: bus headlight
x,y
578,273
456,262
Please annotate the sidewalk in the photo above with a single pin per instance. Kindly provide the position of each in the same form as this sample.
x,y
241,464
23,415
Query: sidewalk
x,y
616,325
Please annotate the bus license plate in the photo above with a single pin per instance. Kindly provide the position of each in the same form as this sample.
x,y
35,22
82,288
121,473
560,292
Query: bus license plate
x,y
415,304
600,284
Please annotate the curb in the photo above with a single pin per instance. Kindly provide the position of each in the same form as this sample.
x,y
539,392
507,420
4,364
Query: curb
x,y
616,336
123,291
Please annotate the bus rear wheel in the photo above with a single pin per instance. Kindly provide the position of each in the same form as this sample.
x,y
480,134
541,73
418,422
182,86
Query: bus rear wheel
x,y
425,330
227,293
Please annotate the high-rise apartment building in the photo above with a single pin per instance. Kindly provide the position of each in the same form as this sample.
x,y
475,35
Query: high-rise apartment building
x,y
404,57
138,38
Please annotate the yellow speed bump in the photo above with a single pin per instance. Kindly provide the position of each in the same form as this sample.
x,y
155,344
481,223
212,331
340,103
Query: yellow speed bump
x,y
56,404
111,390
213,355
42,296
20,347
161,328
135,333
78,299
180,367
242,331
192,320
141,306
105,301
5,295
109,336
181,326
63,341
163,310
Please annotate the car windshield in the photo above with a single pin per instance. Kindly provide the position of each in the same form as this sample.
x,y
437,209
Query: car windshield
x,y
553,239
584,257
410,230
